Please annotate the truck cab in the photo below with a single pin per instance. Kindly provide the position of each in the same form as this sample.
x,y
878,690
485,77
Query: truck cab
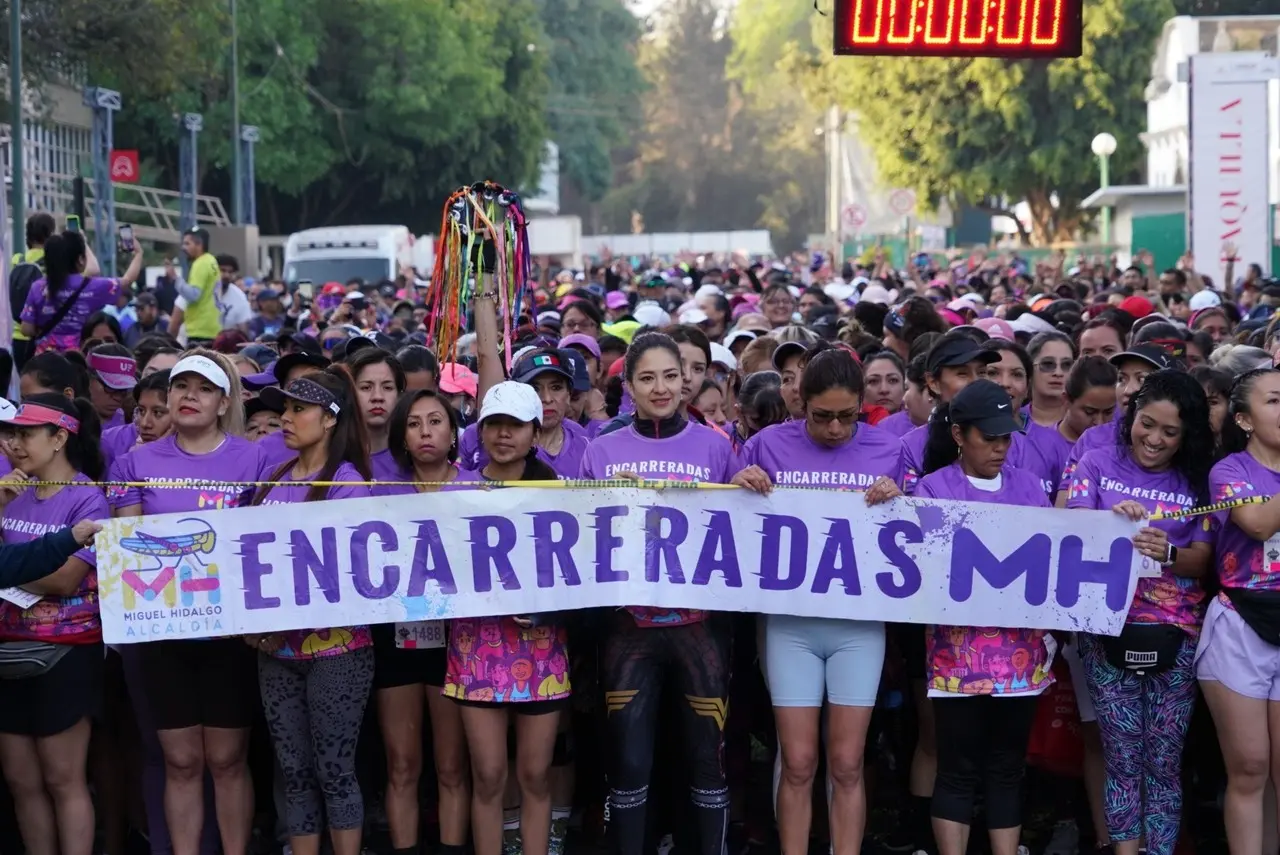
x,y
343,253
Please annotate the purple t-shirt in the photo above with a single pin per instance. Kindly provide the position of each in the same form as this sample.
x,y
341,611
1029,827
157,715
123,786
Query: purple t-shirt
x,y
99,293
1107,476
696,453
471,453
320,643
61,620
986,660
384,466
118,441
1241,563
1098,436
792,459
1045,452
464,475
899,424
913,445
274,449
235,460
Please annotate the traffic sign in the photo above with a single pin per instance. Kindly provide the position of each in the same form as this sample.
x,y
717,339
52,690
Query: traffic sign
x,y
124,165
902,202
853,216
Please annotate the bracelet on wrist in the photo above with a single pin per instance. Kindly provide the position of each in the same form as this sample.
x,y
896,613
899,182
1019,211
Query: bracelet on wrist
x,y
485,295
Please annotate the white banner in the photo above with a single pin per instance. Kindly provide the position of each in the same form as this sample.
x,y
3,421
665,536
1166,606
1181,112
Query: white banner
x,y
1229,171
523,551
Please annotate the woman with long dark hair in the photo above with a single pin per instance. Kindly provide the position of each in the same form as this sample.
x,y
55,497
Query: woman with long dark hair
x,y
315,683
379,382
983,681
46,716
760,404
817,662
411,659
58,305
1142,683
1238,660
644,646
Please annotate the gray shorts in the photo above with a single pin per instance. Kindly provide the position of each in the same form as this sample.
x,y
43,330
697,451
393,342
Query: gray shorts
x,y
810,660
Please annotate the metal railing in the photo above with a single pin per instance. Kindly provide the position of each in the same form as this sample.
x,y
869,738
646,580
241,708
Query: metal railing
x,y
153,212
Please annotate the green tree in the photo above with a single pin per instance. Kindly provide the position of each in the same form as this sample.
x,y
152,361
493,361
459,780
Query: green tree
x,y
368,110
595,86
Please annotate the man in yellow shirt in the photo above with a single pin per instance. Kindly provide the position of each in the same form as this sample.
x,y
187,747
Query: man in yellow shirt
x,y
201,316
40,227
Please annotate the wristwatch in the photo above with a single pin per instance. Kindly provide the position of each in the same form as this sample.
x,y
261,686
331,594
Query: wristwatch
x,y
1170,556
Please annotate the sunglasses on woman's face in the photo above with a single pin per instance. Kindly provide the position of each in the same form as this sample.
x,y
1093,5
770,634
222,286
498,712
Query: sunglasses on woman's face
x,y
1049,365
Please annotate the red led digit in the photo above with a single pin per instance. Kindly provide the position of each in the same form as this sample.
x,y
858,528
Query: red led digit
x,y
1004,38
939,22
1046,26
969,11
902,21
867,17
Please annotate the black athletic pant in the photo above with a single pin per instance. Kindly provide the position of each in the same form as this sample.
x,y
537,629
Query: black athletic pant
x,y
982,742
634,664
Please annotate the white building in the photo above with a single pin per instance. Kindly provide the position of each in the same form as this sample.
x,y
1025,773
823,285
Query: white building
x,y
1168,96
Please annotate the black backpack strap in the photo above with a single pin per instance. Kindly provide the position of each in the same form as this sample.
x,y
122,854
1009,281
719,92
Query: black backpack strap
x,y
62,310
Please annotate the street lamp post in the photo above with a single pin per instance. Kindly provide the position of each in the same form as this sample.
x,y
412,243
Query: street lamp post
x,y
237,179
17,139
1104,145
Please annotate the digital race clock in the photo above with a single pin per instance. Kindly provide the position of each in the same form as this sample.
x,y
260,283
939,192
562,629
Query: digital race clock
x,y
1002,28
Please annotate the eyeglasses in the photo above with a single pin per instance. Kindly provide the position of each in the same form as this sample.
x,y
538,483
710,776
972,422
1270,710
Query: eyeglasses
x,y
780,303
823,417
1049,365
586,325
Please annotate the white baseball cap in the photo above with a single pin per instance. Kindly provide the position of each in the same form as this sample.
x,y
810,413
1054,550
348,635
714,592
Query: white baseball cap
x,y
517,400
1205,299
693,316
205,367
721,355
7,410
650,314
749,335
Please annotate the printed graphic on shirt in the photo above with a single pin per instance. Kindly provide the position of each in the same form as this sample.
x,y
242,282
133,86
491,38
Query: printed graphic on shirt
x,y
320,643
495,660
987,661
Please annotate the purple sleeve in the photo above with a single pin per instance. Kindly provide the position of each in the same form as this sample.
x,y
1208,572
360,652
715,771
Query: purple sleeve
x,y
123,497
35,300
92,505
1230,480
1082,491
749,453
730,464
924,490
354,491
467,447
586,469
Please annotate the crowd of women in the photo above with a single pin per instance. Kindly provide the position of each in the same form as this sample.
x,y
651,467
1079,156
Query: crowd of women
x,y
954,390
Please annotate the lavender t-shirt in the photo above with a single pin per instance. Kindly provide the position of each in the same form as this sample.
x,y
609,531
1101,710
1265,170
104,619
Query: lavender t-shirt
x,y
297,491
696,453
792,459
899,424
471,453
1045,451
118,441
384,466
1241,563
99,293
62,620
236,460
1107,476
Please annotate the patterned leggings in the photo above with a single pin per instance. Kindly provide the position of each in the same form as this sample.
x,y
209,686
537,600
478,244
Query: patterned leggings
x,y
314,708
1143,721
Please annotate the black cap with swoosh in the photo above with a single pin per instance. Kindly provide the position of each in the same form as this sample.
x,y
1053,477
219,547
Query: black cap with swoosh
x,y
987,407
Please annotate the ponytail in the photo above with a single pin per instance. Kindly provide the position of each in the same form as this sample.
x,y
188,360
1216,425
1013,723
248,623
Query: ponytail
x,y
62,254
940,449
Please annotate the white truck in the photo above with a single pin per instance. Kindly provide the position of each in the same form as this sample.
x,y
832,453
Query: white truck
x,y
343,253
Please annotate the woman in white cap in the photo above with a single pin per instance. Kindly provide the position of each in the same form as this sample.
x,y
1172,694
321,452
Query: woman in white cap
x,y
503,665
315,683
203,694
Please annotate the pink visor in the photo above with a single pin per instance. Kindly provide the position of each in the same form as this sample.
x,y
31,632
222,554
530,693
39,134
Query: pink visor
x,y
31,415
115,372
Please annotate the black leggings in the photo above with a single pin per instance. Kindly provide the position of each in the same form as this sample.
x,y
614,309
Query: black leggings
x,y
982,741
634,665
